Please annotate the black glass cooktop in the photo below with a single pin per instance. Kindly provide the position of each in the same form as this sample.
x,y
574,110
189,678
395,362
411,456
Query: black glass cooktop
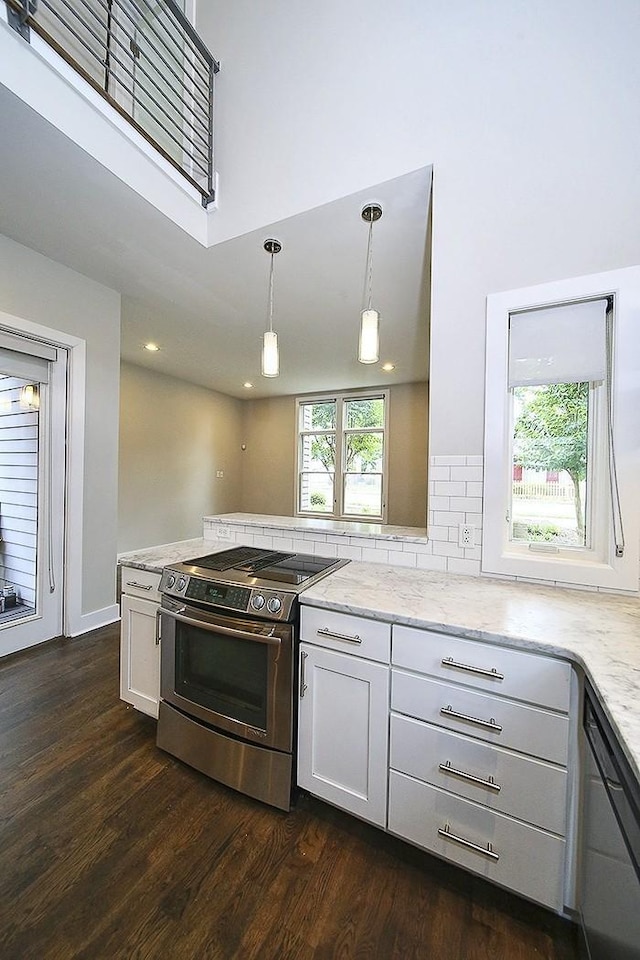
x,y
292,568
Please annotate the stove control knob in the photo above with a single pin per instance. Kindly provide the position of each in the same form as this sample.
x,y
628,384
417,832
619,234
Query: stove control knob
x,y
274,605
170,580
257,602
181,584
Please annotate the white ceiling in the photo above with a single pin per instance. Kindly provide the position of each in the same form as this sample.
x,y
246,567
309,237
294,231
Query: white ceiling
x,y
207,308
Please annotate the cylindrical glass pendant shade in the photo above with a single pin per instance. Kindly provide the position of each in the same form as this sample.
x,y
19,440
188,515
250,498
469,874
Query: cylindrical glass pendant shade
x,y
369,345
270,359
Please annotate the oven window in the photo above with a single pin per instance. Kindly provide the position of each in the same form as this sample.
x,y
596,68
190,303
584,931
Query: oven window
x,y
225,675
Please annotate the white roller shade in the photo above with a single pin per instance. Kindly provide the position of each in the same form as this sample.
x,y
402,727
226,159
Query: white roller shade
x,y
562,344
14,364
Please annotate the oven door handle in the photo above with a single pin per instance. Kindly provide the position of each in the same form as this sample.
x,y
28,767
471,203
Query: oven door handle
x,y
213,628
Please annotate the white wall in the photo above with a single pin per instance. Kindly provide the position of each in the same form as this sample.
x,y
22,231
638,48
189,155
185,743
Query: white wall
x,y
38,290
174,439
528,111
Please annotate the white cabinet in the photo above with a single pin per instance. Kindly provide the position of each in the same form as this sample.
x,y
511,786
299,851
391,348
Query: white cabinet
x,y
479,763
139,643
343,713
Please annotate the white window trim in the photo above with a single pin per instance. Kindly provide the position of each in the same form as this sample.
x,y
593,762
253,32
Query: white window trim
x,y
498,557
339,397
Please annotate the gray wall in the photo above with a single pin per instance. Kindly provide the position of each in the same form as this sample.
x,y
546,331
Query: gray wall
x,y
35,288
174,438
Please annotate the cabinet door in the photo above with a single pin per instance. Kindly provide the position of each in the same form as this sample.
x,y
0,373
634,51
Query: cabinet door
x,y
139,654
343,731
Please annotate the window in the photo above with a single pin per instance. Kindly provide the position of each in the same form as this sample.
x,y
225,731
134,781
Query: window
x,y
561,389
342,455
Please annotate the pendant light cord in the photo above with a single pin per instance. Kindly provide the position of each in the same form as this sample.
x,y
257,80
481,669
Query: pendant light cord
x,y
370,264
271,294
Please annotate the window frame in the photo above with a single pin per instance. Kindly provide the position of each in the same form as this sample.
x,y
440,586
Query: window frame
x,y
600,567
341,431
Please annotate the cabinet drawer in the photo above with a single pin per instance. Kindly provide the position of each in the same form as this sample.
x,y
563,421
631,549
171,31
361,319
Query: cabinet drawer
x,y
521,787
526,859
370,639
494,669
140,583
502,722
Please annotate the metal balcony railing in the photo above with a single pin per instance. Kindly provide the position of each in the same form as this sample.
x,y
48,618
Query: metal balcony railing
x,y
145,58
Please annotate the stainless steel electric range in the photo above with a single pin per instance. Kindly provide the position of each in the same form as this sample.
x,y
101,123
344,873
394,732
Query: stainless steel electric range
x,y
229,630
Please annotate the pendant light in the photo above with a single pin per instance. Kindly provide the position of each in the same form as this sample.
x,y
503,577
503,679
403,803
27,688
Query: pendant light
x,y
270,357
369,342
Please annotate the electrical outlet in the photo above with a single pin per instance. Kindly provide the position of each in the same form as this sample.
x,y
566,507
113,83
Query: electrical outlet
x,y
222,533
466,535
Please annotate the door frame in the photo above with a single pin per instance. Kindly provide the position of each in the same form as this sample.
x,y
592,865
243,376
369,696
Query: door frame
x,y
72,619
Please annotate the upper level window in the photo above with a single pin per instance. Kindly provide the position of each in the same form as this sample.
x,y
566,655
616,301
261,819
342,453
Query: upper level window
x,y
559,462
342,455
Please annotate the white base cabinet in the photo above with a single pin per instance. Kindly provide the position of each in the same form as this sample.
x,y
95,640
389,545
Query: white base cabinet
x,y
139,643
343,711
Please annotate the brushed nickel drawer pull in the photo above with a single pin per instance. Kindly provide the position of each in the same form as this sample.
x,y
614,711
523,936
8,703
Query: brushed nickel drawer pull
x,y
481,671
490,784
303,685
487,851
158,627
489,724
325,632
140,586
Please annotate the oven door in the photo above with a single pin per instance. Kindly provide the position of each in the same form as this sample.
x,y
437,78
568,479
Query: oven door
x,y
233,674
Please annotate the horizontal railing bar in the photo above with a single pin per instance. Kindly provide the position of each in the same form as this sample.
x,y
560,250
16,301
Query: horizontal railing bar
x,y
150,24
133,58
194,121
206,192
88,49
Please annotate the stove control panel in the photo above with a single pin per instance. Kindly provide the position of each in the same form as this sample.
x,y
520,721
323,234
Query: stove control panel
x,y
269,604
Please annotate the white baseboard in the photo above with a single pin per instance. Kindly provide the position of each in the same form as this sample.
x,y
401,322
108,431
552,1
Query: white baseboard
x,y
95,619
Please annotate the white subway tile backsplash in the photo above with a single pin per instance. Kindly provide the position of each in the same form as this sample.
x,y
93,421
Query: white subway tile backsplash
x,y
449,488
467,474
393,546
466,503
404,559
439,503
247,539
347,552
472,553
440,473
282,543
259,540
324,549
438,533
448,549
316,537
447,518
463,566
360,541
375,556
425,562
475,461
475,489
425,547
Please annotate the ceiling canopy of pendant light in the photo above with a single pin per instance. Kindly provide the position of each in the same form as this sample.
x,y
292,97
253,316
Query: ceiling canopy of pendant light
x,y
270,355
369,341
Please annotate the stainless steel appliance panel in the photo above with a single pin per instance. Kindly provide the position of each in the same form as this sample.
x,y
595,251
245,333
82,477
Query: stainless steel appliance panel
x,y
255,771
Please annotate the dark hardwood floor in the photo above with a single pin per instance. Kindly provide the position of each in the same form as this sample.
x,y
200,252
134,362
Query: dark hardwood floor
x,y
109,848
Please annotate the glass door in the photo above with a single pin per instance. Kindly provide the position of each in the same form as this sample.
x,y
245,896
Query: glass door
x,y
32,475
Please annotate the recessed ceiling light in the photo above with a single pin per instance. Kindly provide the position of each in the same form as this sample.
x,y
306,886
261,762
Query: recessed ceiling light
x,y
388,367
151,347
247,385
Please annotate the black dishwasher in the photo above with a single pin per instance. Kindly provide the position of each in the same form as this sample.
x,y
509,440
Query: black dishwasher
x,y
610,894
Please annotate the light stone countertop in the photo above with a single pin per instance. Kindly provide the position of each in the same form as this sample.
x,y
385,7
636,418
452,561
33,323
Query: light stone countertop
x,y
155,558
600,632
339,528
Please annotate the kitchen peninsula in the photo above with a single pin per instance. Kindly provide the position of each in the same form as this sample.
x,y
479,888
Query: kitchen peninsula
x,y
416,633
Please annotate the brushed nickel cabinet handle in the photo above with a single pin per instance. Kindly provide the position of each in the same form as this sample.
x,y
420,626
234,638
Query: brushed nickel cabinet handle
x,y
489,783
487,851
140,586
469,668
325,632
303,685
489,724
158,626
